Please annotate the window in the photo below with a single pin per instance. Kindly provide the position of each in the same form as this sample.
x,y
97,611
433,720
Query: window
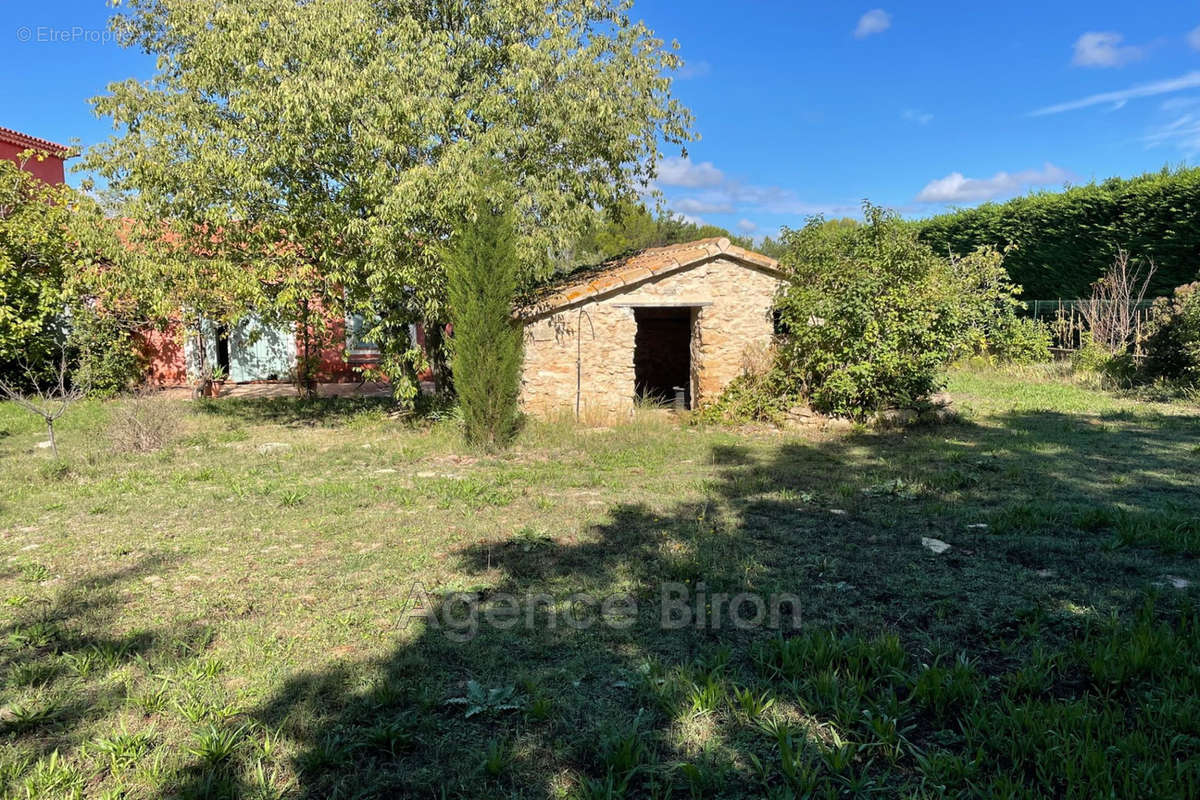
x,y
356,329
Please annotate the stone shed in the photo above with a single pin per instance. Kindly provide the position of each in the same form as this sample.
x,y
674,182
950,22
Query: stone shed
x,y
665,322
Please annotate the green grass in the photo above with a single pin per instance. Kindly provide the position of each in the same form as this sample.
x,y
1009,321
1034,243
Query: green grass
x,y
230,616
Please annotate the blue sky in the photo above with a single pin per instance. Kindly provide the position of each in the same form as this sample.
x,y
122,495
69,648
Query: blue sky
x,y
806,108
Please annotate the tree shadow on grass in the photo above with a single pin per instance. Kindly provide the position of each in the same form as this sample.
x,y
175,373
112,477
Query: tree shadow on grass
x,y
54,651
481,706
329,412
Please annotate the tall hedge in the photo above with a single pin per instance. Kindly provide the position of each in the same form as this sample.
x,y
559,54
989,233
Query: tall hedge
x,y
1065,240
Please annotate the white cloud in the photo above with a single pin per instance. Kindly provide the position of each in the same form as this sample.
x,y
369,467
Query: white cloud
x,y
1193,38
677,171
873,22
710,191
956,188
778,200
919,117
1189,81
747,226
694,69
1182,132
696,205
1104,49
1177,103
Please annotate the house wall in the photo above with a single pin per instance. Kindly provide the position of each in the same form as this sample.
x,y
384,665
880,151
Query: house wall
x,y
49,169
166,359
163,352
734,313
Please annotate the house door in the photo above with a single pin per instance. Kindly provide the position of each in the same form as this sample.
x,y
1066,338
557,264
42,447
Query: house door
x,y
261,352
662,354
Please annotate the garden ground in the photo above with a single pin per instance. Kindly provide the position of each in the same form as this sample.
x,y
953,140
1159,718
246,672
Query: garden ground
x,y
230,616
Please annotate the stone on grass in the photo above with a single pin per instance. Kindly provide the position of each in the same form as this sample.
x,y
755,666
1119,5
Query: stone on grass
x,y
896,417
935,546
270,447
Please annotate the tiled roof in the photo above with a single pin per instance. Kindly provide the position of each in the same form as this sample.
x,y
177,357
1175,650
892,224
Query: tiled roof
x,y
628,271
24,140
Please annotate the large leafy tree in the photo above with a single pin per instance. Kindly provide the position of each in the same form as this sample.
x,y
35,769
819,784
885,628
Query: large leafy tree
x,y
632,226
49,234
345,134
33,261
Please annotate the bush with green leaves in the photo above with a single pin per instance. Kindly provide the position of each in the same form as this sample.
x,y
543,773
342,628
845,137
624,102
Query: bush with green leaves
x,y
486,349
108,358
1018,340
1173,337
35,253
752,396
873,315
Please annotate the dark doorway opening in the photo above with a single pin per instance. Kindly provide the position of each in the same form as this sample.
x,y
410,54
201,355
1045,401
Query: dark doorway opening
x,y
223,349
662,354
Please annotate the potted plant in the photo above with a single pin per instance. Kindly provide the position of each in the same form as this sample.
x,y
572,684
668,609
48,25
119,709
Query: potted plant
x,y
215,381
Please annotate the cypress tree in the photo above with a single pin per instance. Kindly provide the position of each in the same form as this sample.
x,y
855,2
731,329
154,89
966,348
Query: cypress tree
x,y
486,345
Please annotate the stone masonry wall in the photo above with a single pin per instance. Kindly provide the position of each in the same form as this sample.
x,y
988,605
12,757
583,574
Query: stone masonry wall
x,y
734,312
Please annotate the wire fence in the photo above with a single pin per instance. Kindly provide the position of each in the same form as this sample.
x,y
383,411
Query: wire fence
x,y
1069,326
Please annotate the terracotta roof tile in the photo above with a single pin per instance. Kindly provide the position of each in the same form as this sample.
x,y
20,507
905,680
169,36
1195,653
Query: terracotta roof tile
x,y
630,270
31,142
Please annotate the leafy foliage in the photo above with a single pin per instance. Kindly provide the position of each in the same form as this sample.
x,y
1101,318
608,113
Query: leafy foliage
x,y
318,149
761,394
47,234
481,283
632,227
1018,340
109,359
1173,341
52,239
1066,240
873,315
481,700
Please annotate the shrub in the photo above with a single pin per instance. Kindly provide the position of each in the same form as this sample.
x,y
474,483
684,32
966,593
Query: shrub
x,y
989,306
486,349
1173,337
873,315
1091,357
757,395
143,424
1113,371
1019,340
35,254
109,361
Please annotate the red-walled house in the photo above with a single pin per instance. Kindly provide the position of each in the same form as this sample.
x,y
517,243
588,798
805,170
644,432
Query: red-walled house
x,y
49,168
253,352
248,352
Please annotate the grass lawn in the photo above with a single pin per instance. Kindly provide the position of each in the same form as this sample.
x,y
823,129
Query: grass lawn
x,y
230,616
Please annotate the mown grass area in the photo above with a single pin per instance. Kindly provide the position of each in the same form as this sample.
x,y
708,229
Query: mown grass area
x,y
230,616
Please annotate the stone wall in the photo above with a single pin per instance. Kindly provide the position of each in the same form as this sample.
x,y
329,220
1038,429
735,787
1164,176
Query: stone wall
x,y
733,304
